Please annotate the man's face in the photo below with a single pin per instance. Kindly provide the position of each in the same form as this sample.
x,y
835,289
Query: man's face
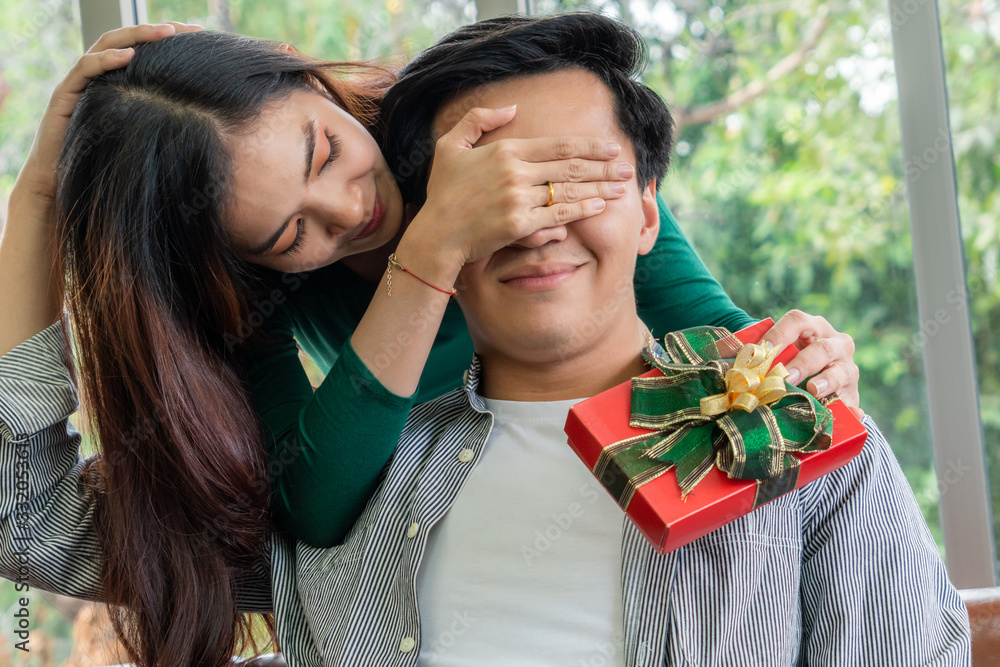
x,y
560,291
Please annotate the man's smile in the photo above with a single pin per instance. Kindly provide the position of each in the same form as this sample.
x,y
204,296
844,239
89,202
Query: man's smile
x,y
539,276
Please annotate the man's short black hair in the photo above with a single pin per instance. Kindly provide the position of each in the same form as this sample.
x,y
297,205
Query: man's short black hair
x,y
503,48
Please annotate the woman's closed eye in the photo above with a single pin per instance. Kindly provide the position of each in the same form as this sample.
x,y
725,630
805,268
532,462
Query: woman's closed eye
x,y
300,229
335,148
300,232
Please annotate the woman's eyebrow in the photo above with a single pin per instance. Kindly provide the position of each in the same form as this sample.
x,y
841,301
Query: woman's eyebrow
x,y
309,129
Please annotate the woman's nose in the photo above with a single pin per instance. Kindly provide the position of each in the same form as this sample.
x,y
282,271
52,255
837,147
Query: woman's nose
x,y
541,237
344,209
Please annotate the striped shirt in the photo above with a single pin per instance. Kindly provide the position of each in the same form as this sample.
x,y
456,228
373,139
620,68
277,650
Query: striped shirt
x,y
841,572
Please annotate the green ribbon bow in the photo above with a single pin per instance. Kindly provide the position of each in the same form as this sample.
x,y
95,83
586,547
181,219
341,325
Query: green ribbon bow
x,y
756,445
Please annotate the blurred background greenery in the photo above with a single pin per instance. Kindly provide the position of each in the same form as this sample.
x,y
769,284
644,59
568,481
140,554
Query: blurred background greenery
x,y
788,174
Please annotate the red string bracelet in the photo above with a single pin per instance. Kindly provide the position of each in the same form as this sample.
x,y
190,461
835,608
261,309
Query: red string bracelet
x,y
395,262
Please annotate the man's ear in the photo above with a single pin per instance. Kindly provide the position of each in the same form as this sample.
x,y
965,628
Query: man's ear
x,y
289,49
650,219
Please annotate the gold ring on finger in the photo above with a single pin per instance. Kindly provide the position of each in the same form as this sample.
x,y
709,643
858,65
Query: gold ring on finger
x,y
552,192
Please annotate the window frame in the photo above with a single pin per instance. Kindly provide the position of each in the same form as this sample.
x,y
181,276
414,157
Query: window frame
x,y
99,16
942,295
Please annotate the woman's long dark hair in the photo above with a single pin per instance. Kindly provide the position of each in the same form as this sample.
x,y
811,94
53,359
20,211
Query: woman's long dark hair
x,y
155,294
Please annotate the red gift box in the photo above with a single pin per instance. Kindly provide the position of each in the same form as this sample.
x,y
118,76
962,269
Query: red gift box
x,y
666,519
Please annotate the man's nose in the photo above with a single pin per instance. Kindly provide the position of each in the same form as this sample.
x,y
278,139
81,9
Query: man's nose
x,y
541,237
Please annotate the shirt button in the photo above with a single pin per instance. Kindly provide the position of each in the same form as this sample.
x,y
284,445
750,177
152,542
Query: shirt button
x,y
407,644
466,455
411,532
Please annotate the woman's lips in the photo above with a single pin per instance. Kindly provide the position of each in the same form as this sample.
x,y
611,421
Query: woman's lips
x,y
540,278
375,221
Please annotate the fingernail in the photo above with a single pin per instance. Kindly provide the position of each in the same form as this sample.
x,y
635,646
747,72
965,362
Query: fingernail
x,y
598,205
618,188
124,53
820,386
626,171
613,149
793,376
510,108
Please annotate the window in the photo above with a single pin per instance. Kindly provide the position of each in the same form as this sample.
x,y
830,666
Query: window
x,y
788,174
971,40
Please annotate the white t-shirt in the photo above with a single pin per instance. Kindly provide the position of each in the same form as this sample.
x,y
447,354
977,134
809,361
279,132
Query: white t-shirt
x,y
525,568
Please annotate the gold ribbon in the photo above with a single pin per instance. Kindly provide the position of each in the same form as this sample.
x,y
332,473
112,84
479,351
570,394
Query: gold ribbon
x,y
749,383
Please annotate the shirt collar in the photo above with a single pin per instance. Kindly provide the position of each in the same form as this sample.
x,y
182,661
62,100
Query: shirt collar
x,y
474,374
472,379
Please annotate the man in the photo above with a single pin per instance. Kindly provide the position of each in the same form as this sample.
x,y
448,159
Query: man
x,y
489,543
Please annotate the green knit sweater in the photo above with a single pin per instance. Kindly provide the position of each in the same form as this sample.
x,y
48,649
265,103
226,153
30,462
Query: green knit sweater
x,y
328,447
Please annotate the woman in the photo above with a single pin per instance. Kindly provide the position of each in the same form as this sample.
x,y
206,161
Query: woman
x,y
160,226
